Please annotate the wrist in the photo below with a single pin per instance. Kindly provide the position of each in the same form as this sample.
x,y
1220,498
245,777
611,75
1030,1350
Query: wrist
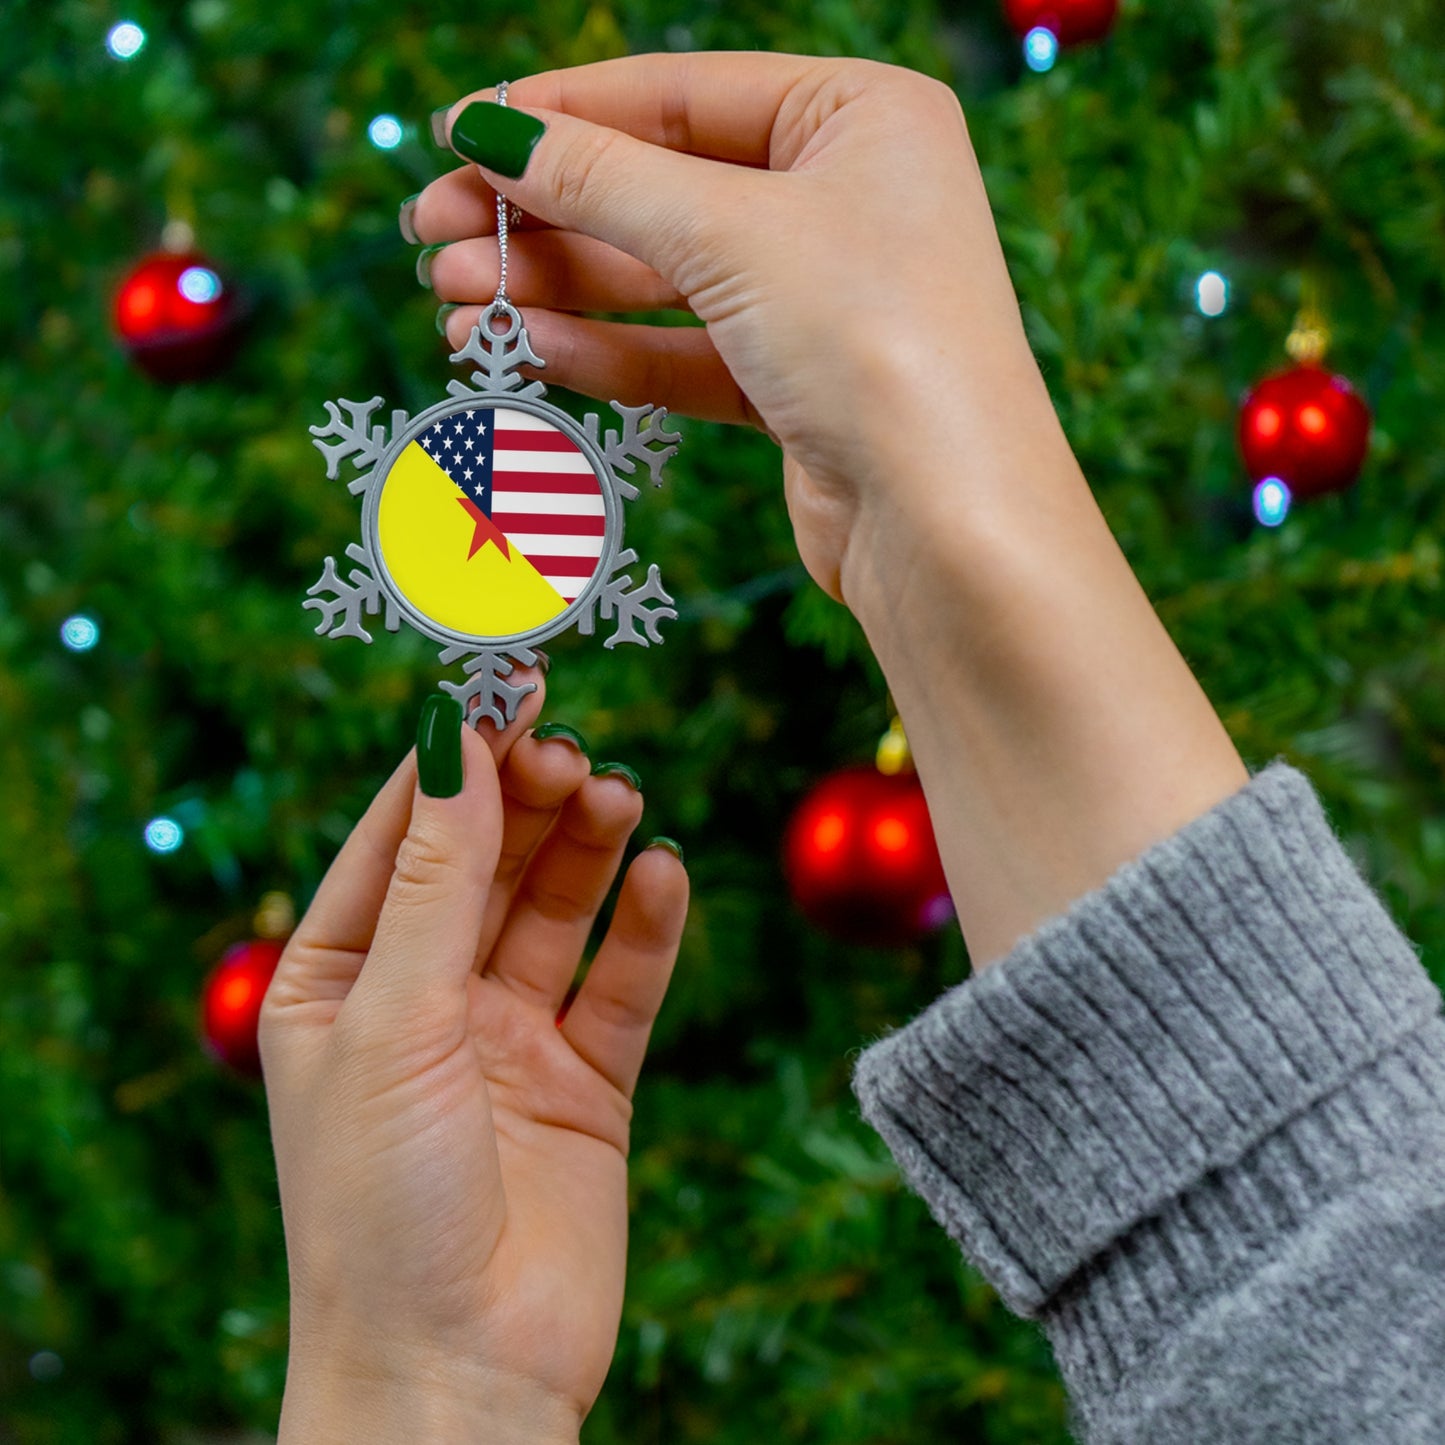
x,y
410,1398
1057,730
958,470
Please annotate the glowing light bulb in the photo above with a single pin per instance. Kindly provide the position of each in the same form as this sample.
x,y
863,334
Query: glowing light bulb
x,y
80,633
385,132
1041,48
126,40
1271,502
164,835
1212,294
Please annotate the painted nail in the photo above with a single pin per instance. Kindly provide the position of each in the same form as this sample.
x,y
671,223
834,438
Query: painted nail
x,y
404,219
496,136
617,770
543,661
439,747
561,730
423,262
671,844
439,125
443,312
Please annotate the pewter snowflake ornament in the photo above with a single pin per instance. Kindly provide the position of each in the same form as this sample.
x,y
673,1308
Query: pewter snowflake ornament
x,y
492,521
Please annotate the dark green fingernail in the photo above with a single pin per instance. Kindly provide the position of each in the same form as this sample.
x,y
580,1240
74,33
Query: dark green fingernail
x,y
439,747
404,220
671,844
423,263
442,313
439,125
561,730
618,770
496,136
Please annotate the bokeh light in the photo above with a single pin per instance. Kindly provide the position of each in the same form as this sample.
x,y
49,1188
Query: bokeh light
x,y
1271,502
126,40
80,633
1041,48
1212,294
164,835
199,284
385,132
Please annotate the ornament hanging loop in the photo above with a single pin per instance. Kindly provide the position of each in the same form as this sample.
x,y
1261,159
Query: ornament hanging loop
x,y
503,309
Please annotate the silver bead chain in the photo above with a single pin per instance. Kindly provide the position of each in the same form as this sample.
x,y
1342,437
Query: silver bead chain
x,y
501,299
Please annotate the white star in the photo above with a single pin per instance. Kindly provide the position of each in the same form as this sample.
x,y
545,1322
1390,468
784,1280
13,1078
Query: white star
x,y
448,444
471,414
458,427
426,442
480,490
467,475
470,443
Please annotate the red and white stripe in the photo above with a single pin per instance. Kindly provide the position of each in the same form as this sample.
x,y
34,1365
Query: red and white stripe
x,y
547,499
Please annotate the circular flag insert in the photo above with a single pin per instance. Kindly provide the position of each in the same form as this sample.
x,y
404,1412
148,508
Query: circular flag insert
x,y
491,522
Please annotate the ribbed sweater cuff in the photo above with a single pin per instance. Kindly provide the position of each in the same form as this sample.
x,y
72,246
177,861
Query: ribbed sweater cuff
x,y
1223,983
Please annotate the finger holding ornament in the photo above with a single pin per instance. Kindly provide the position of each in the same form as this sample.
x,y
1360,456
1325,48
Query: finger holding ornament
x,y
559,270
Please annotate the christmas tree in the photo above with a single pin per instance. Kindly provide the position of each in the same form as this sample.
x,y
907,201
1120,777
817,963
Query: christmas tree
x,y
178,744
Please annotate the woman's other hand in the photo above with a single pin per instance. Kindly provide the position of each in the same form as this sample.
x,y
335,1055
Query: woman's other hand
x,y
452,1157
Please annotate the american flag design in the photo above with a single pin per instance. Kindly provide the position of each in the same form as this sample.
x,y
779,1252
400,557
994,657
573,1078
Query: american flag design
x,y
491,522
531,483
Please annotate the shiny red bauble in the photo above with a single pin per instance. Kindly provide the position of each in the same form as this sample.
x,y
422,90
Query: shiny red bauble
x,y
1307,427
231,1003
861,861
1073,22
176,317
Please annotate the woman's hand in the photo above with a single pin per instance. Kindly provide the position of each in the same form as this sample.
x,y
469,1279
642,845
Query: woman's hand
x,y
828,222
452,1158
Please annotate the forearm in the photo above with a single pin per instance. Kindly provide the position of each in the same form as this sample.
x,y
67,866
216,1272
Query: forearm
x,y
1057,730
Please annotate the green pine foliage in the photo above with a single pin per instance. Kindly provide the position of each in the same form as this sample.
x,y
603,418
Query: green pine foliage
x,y
783,1284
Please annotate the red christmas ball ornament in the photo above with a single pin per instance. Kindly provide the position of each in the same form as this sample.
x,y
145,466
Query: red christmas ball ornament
x,y
1307,427
861,860
1071,22
231,1003
176,318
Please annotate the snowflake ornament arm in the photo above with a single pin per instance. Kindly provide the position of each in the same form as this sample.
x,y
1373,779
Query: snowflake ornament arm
x,y
643,438
349,600
630,607
360,441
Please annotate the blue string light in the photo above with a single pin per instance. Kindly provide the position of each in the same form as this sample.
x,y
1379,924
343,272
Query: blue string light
x,y
1211,294
126,40
385,132
199,284
80,633
1271,502
164,835
1041,48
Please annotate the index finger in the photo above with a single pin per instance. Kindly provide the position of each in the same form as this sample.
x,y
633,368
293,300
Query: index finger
x,y
324,953
723,105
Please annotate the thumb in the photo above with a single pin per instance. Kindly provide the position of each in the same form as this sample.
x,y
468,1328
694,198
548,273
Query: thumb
x,y
646,200
422,952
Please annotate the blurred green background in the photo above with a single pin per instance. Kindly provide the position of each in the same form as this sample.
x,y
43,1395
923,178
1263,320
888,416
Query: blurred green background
x,y
783,1284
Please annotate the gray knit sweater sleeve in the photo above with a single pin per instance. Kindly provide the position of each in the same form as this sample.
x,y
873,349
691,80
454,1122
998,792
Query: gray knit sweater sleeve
x,y
1196,1127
